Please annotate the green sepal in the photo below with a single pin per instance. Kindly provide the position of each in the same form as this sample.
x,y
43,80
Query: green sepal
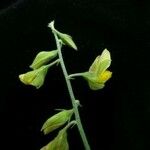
x,y
93,82
43,58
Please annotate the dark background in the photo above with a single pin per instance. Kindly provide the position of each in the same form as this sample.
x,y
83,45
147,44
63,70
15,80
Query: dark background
x,y
115,118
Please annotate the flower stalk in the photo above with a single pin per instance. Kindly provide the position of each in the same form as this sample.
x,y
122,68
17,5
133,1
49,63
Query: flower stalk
x,y
71,93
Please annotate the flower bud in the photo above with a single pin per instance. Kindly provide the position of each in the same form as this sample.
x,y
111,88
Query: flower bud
x,y
35,78
43,58
57,121
66,39
59,143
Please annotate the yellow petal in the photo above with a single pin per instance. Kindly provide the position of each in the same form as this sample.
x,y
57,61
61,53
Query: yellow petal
x,y
101,63
105,76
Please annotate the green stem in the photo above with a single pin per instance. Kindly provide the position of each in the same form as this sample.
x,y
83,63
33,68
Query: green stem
x,y
71,93
75,75
54,62
72,123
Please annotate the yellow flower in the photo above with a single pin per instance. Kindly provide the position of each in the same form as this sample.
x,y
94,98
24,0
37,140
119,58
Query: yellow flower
x,y
98,73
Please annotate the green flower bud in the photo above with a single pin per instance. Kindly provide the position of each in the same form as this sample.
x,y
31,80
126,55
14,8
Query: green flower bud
x,y
35,78
43,58
59,143
57,121
66,39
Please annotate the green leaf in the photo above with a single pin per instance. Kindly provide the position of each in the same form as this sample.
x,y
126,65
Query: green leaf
x,y
57,121
43,58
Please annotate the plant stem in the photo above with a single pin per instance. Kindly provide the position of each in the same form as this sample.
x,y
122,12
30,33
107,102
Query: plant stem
x,y
71,93
53,63
72,123
75,75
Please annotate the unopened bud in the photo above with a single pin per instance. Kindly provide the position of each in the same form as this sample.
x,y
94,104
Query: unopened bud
x,y
57,121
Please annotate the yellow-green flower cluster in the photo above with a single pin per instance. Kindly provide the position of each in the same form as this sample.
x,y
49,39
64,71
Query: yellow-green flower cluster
x,y
36,77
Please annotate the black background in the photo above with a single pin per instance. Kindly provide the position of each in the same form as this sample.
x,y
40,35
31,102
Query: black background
x,y
117,117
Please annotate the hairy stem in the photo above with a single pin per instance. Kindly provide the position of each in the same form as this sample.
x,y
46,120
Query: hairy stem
x,y
71,93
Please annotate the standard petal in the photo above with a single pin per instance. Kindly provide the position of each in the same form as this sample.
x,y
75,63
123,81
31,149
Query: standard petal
x,y
101,63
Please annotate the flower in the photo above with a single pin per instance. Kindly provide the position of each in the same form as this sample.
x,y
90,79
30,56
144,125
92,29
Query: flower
x,y
35,77
98,73
60,142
